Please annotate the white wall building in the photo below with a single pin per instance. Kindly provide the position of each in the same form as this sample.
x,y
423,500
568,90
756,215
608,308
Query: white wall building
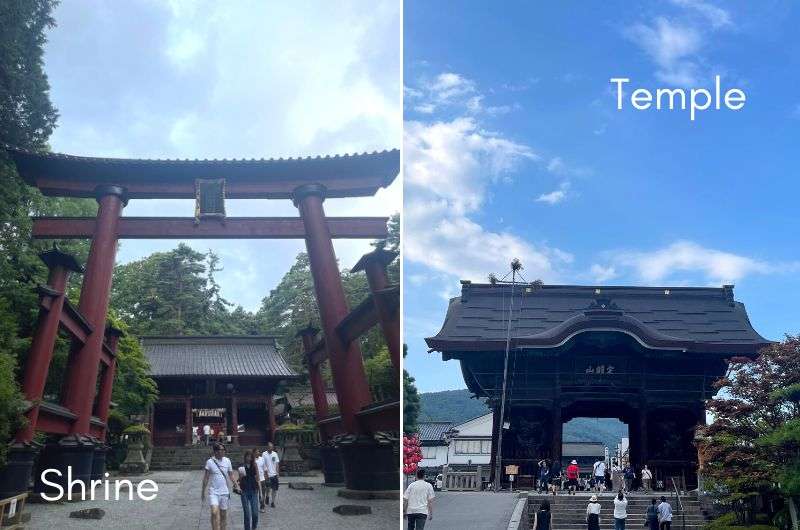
x,y
470,445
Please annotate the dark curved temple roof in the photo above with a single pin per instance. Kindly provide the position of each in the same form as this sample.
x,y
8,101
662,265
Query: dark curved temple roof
x,y
77,176
696,319
236,356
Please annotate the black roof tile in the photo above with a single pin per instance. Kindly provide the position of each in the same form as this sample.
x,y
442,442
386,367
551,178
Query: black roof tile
x,y
238,356
688,318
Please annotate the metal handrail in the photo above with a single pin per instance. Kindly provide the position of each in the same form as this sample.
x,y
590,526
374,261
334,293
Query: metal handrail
x,y
680,502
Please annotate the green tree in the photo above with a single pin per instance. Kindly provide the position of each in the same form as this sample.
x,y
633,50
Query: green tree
x,y
171,293
410,400
752,448
27,118
134,390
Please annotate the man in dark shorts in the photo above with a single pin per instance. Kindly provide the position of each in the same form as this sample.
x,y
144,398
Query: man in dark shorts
x,y
272,468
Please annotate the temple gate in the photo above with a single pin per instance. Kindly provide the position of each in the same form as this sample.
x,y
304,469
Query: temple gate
x,y
80,416
648,356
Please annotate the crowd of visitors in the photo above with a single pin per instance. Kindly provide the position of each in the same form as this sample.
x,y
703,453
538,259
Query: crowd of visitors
x,y
255,481
549,478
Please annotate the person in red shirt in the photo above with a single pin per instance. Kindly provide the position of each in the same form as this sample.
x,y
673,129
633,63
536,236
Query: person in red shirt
x,y
572,477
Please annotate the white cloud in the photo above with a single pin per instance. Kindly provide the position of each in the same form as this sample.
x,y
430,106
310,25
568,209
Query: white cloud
x,y
555,196
672,47
183,79
601,274
687,260
717,16
453,91
449,168
456,161
676,44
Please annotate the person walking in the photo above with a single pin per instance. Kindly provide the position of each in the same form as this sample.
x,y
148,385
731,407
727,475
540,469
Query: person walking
x,y
262,491
572,477
664,514
599,473
544,476
272,467
207,433
620,511
593,514
651,516
616,477
555,476
418,502
628,475
543,518
218,470
647,478
250,489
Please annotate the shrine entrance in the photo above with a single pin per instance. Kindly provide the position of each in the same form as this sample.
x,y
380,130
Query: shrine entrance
x,y
648,357
77,423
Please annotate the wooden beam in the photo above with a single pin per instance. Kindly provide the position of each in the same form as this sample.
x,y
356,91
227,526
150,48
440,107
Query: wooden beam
x,y
189,228
358,321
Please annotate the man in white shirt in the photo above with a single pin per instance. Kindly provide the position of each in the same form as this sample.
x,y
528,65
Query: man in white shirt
x,y
599,472
263,491
418,502
664,514
272,467
218,469
647,477
207,432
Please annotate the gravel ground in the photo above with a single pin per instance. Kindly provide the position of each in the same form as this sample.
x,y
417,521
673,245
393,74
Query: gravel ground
x,y
178,507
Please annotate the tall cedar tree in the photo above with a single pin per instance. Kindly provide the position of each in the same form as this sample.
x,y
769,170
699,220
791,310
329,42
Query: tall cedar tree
x,y
175,293
26,120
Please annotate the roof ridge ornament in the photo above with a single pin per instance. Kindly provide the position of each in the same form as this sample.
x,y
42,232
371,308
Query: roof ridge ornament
x,y
603,304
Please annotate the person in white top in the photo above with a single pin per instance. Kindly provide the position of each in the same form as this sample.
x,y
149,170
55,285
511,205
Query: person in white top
x,y
206,432
272,467
593,514
418,502
263,491
599,473
647,477
664,514
218,469
620,511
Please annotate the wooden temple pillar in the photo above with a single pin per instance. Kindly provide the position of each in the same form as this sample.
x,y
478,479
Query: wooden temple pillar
x,y
107,383
558,427
308,335
271,417
234,420
374,265
188,421
84,364
347,365
642,454
368,462
37,365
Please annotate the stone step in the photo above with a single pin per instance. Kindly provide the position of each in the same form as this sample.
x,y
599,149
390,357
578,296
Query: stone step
x,y
569,511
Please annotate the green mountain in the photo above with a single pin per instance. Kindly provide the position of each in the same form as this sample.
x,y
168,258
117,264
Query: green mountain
x,y
457,406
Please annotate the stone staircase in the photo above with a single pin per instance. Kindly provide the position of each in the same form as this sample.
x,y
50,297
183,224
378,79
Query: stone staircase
x,y
569,511
190,458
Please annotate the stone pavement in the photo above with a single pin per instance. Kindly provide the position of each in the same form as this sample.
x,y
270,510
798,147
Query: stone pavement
x,y
178,507
482,510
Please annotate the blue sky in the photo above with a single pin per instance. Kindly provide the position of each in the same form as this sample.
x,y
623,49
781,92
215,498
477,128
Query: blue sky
x,y
514,148
203,79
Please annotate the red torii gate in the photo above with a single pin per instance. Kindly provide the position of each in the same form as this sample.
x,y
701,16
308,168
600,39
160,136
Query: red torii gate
x,y
307,182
